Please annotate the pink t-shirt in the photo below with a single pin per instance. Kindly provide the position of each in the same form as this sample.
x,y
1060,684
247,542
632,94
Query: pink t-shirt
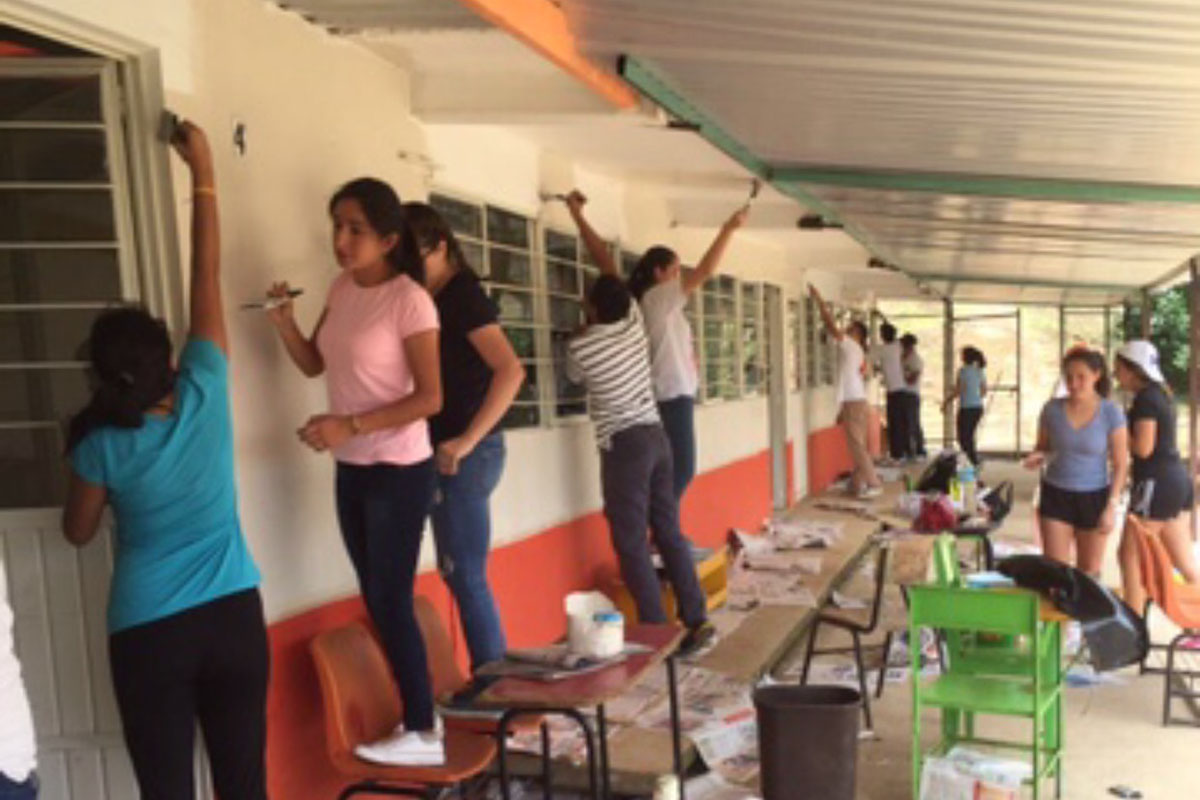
x,y
362,342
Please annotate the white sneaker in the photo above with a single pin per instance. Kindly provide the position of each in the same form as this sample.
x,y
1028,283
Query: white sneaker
x,y
867,492
412,749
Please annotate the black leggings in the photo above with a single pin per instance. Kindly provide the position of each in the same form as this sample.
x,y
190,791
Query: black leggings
x,y
209,663
968,423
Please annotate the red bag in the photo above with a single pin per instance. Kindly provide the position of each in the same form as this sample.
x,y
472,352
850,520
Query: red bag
x,y
937,514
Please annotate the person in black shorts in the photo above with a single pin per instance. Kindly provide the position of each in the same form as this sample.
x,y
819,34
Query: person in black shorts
x,y
1162,488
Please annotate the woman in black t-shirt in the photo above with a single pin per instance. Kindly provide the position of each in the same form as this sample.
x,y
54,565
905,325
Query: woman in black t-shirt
x,y
1162,487
481,375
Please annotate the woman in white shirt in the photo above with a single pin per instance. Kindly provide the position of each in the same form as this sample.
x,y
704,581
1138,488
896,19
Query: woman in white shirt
x,y
661,289
853,413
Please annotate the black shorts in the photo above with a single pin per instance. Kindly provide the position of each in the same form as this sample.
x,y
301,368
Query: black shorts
x,y
1078,509
1162,496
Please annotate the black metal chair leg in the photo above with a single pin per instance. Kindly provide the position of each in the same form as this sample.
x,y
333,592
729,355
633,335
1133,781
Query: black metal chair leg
x,y
547,782
862,678
883,666
808,652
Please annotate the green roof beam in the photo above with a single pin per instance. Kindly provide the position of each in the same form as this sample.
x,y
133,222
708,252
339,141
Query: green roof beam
x,y
1072,191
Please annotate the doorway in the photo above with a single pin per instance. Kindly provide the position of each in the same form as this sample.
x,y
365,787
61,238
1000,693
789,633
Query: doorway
x,y
71,187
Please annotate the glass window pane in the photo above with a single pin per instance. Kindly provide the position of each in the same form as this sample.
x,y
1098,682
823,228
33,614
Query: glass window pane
x,y
628,262
522,340
42,395
32,470
463,218
521,417
56,216
514,305
507,228
508,267
562,277
565,314
473,253
59,276
529,389
53,155
562,246
45,335
57,99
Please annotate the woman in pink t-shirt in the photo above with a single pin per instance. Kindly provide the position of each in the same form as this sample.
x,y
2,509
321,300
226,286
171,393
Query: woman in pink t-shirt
x,y
377,344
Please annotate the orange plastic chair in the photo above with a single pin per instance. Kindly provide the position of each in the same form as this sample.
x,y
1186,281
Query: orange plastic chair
x,y
1180,603
362,704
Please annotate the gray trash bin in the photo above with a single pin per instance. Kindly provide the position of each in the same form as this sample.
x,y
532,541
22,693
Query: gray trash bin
x,y
807,741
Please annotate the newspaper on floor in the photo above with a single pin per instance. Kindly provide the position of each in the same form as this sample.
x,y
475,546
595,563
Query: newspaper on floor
x,y
729,744
713,786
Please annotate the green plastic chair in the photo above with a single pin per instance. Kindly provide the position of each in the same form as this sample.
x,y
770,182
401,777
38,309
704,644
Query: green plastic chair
x,y
1018,674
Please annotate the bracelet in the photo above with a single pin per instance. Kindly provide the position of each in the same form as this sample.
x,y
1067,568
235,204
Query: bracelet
x,y
208,190
355,425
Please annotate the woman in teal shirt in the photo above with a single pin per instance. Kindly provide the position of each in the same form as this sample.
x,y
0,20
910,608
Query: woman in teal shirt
x,y
187,641
969,389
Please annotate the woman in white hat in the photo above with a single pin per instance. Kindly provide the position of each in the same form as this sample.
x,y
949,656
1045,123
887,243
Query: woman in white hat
x,y
1162,488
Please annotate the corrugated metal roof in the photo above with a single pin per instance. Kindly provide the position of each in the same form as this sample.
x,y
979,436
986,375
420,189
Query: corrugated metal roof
x,y
1099,102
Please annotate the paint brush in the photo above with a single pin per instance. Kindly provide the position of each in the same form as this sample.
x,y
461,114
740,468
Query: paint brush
x,y
272,302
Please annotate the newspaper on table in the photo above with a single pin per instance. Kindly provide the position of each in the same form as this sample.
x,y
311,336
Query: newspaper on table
x,y
803,534
785,561
713,786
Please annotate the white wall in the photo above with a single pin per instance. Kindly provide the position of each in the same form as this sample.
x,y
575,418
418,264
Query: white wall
x,y
320,111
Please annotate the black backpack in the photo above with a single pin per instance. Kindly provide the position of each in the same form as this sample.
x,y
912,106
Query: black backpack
x,y
1115,635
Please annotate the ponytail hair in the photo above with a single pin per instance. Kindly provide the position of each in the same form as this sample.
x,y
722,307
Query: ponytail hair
x,y
645,274
1093,360
130,355
381,206
973,355
429,229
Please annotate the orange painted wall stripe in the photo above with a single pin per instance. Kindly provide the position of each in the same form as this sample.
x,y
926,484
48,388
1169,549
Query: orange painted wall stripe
x,y
543,26
529,579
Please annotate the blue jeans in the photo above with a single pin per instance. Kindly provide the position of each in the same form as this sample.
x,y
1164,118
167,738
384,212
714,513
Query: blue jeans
x,y
382,510
11,790
462,529
678,420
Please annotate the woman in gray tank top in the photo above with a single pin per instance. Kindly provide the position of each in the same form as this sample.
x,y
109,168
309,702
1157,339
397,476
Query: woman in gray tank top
x,y
1083,450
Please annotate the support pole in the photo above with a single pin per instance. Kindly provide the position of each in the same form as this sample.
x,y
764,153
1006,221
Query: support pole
x,y
1062,332
1145,314
1108,348
1193,376
1018,392
947,368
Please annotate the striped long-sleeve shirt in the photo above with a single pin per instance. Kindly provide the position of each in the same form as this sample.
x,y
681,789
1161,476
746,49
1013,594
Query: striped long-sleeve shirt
x,y
613,361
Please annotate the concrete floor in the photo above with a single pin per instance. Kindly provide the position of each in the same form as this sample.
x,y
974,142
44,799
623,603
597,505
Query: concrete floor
x,y
1113,732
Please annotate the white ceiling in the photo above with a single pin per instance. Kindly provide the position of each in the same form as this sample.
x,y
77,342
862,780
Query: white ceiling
x,y
1078,95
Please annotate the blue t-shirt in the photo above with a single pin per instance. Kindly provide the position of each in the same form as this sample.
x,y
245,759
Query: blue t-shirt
x,y
971,378
179,543
1078,459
